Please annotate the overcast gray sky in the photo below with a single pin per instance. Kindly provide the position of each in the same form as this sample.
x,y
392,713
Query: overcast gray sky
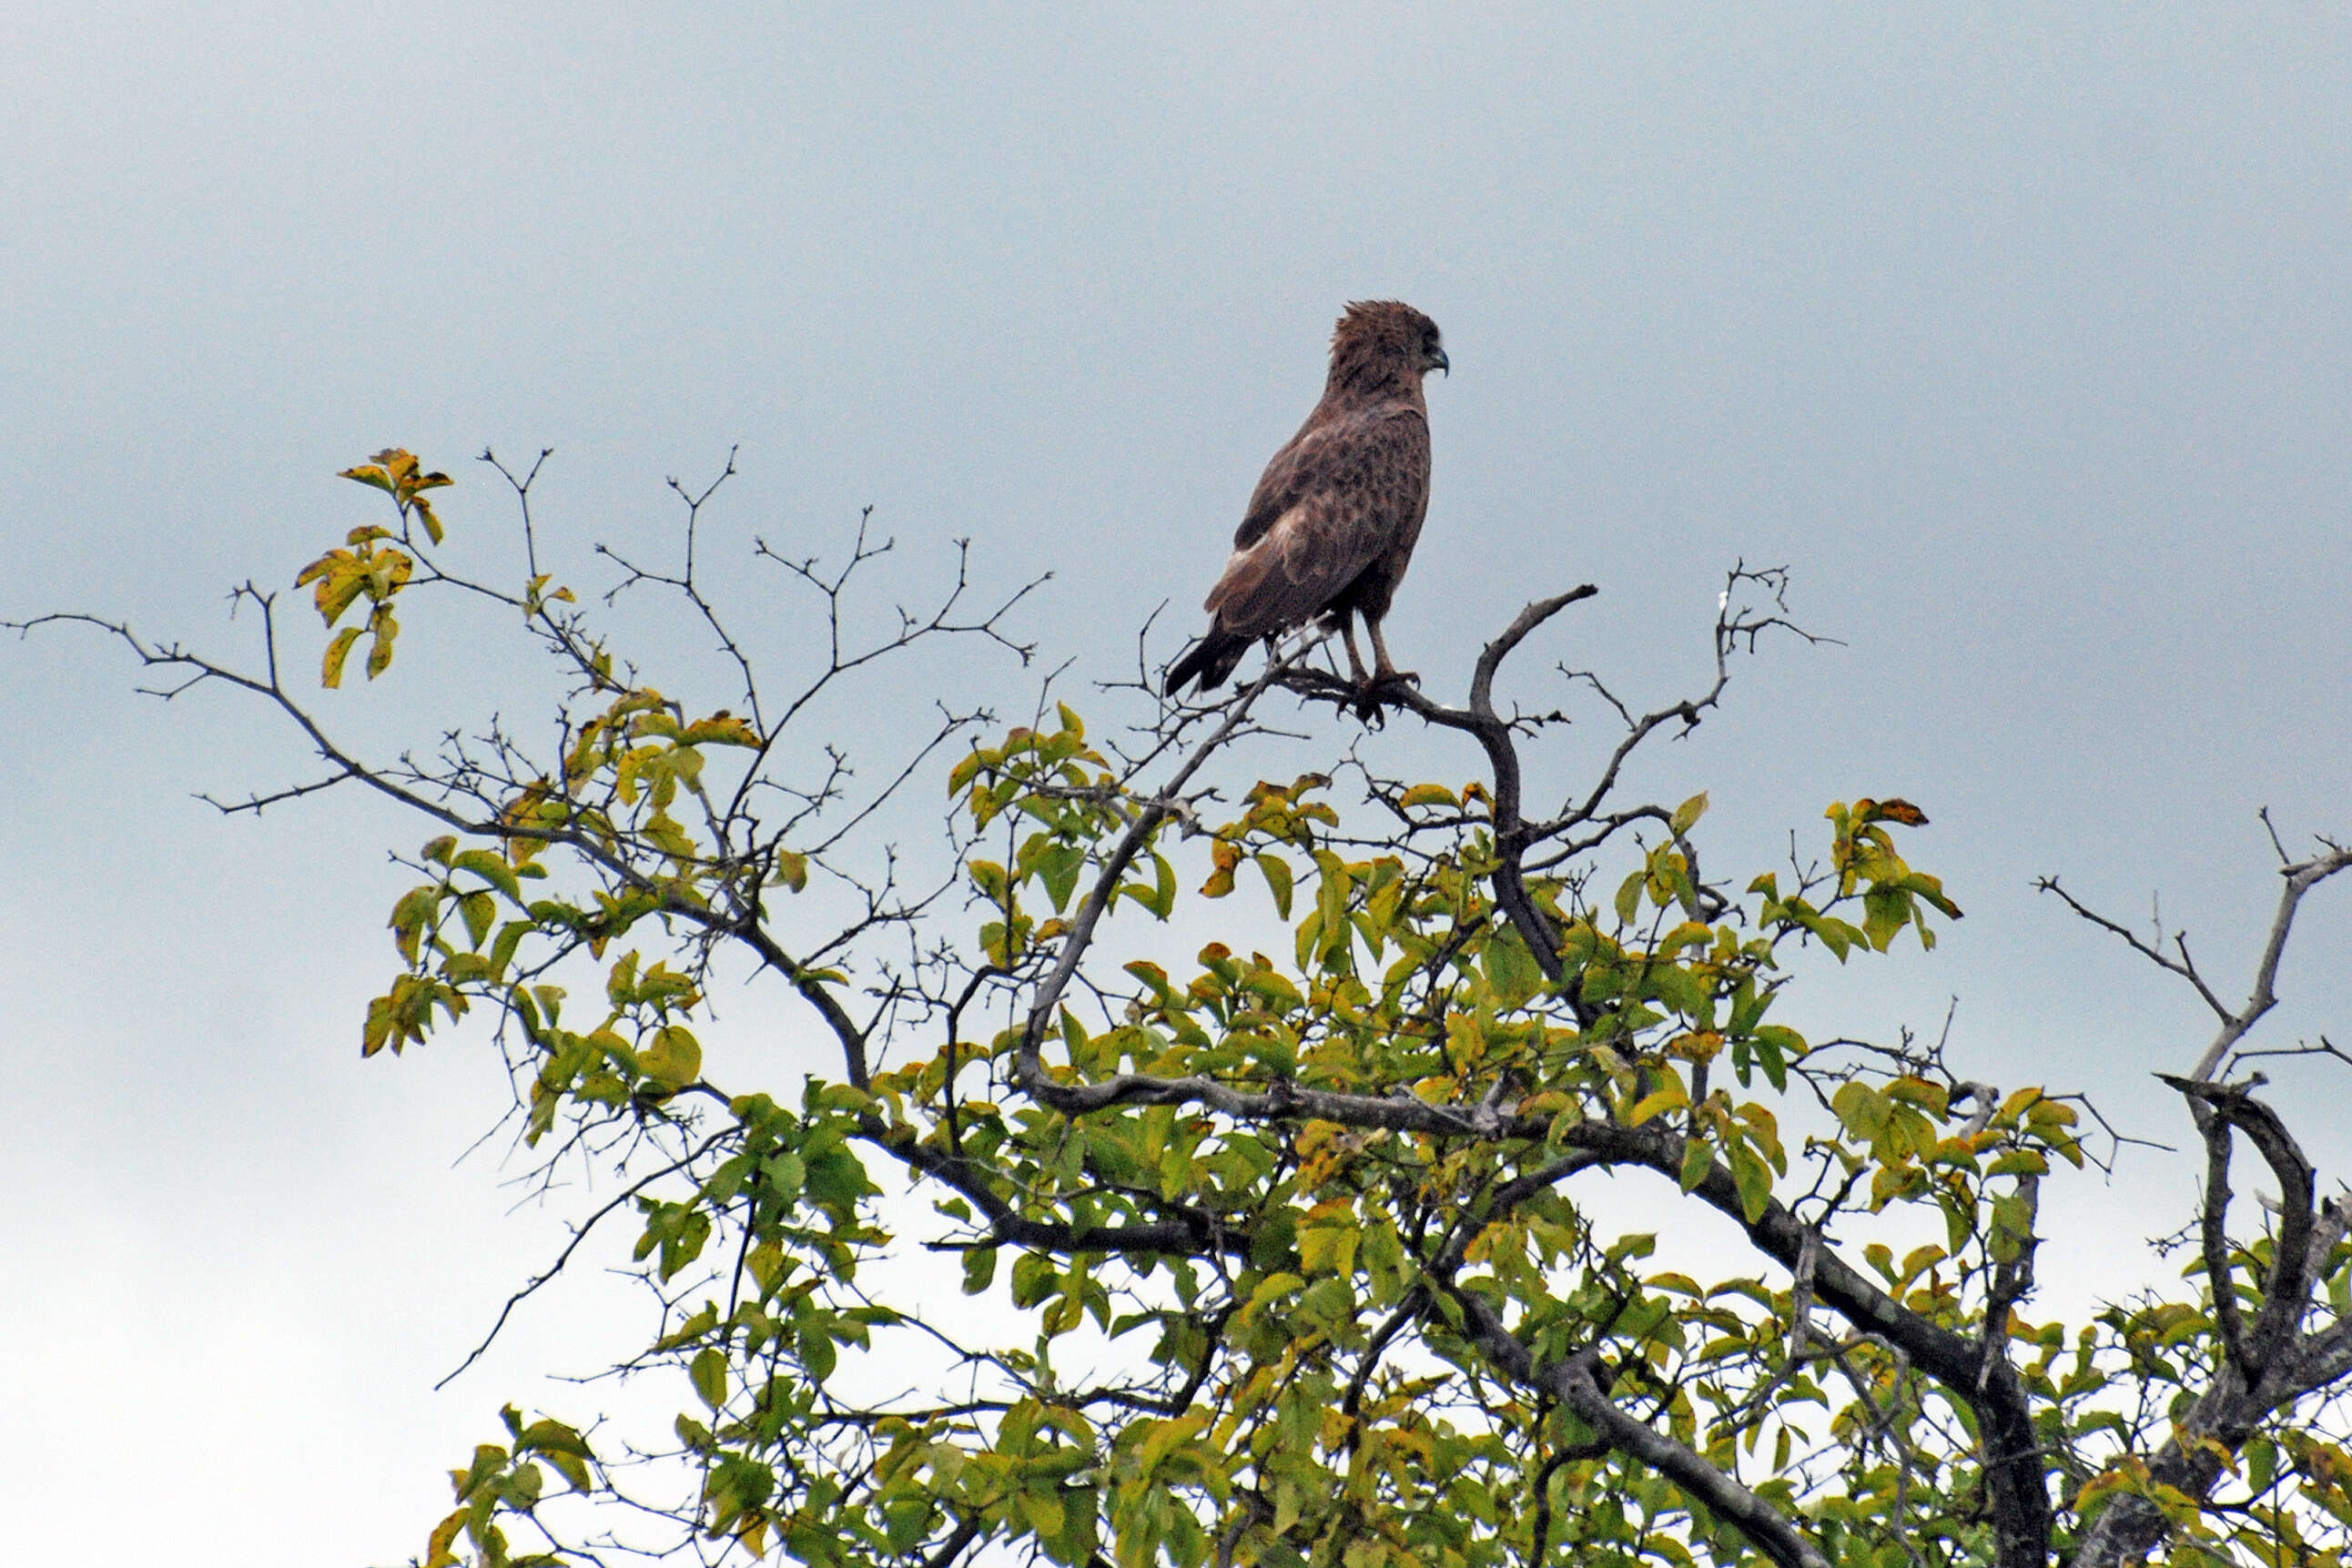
x,y
2021,336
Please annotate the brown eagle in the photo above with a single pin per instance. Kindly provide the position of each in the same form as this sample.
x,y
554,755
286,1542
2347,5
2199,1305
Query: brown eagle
x,y
1334,518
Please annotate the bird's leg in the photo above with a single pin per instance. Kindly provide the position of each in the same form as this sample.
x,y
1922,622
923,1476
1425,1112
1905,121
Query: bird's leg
x,y
1384,670
1368,706
1355,659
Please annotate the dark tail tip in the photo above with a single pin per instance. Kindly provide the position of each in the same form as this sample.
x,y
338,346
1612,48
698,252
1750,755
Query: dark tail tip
x,y
1212,659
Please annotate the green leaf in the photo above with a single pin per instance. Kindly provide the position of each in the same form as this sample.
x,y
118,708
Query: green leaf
x,y
1059,866
1034,1278
709,1373
1863,1108
1164,887
2262,1465
1776,1044
1754,1179
1277,872
727,1180
979,1270
817,1351
1510,968
1629,897
1329,921
786,1174
492,868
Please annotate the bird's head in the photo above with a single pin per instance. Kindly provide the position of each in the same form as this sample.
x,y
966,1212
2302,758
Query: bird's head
x,y
1382,342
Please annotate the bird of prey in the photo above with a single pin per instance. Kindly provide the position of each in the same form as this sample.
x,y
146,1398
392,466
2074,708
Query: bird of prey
x,y
1333,521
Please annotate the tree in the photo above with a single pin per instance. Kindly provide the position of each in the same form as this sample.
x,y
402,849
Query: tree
x,y
1291,1256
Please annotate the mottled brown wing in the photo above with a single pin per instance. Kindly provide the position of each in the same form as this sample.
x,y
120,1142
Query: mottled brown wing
x,y
1338,498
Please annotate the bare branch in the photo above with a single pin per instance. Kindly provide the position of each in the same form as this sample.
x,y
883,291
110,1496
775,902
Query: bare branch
x,y
580,1235
2214,1238
2301,878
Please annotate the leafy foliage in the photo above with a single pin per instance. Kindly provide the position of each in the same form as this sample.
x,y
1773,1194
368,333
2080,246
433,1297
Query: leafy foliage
x,y
1293,1256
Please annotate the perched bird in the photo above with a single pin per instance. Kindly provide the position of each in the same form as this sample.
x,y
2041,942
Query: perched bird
x,y
1334,518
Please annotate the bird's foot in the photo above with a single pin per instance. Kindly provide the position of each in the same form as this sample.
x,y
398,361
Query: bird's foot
x,y
1369,690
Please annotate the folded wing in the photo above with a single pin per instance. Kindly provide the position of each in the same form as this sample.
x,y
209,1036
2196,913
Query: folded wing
x,y
1340,498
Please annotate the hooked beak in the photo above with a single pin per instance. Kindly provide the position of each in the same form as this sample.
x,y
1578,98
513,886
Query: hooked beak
x,y
1436,361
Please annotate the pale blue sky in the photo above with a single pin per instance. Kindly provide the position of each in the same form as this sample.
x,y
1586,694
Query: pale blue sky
x,y
2023,341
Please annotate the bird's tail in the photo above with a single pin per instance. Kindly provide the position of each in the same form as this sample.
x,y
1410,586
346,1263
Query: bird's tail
x,y
1212,658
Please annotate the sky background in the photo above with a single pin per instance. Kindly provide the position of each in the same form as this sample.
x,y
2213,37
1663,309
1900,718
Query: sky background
x,y
2024,342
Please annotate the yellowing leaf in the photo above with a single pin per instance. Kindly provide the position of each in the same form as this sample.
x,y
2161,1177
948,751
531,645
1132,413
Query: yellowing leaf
x,y
675,1059
722,729
445,1534
1689,812
369,473
330,668
385,628
1669,1097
